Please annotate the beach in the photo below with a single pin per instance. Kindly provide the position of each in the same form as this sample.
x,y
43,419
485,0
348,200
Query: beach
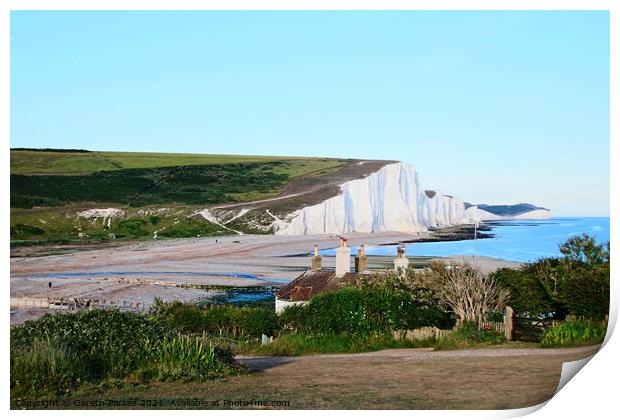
x,y
188,270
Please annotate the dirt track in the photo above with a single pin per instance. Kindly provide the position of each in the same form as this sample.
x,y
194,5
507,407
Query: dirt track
x,y
498,378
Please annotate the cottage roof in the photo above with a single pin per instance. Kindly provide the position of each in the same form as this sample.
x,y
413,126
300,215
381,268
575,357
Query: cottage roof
x,y
312,283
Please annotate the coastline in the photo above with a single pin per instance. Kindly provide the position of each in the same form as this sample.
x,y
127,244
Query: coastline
x,y
453,233
194,270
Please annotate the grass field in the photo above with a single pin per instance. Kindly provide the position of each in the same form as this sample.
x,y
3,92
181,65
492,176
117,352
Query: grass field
x,y
192,185
62,225
31,162
48,178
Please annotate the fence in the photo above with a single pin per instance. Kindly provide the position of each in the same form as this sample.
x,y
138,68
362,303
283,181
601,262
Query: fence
x,y
423,333
498,327
29,302
75,304
506,327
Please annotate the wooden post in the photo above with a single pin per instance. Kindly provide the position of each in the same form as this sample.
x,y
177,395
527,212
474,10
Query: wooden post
x,y
509,322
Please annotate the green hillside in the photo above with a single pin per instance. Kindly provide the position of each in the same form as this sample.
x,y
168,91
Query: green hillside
x,y
156,194
52,161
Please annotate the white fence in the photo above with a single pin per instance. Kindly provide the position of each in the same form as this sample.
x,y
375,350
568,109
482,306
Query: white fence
x,y
498,327
72,304
423,333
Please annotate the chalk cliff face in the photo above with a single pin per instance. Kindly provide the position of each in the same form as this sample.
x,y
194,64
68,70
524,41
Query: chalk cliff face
x,y
476,213
390,199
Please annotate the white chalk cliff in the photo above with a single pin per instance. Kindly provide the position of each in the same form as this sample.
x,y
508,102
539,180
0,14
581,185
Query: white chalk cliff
x,y
474,213
390,199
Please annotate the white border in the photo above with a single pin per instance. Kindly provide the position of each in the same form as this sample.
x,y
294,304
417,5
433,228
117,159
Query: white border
x,y
592,394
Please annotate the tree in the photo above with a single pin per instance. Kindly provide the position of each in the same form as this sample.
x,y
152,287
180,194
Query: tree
x,y
584,250
576,284
529,296
584,273
460,288
466,290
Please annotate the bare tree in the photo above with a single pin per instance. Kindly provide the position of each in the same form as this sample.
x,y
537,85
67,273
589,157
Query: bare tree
x,y
461,288
465,290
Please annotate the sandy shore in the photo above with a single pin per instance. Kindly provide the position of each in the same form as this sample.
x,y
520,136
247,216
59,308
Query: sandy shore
x,y
134,272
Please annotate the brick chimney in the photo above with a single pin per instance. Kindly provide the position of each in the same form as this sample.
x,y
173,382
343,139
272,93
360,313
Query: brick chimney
x,y
316,260
361,260
343,259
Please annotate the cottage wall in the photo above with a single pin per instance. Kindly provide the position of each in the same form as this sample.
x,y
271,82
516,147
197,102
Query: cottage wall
x,y
282,304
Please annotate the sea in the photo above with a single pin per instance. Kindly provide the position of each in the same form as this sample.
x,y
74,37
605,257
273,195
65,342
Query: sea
x,y
514,240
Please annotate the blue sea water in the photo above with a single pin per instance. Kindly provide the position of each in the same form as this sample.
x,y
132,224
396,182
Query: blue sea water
x,y
515,240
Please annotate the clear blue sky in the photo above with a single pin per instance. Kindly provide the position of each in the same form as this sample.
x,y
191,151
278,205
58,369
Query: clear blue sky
x,y
493,107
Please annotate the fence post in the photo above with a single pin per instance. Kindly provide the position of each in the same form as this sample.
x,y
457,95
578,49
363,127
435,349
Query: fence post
x,y
508,322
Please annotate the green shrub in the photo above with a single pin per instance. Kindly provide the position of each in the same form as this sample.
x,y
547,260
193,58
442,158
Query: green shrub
x,y
299,344
47,366
576,332
183,358
362,312
487,334
191,227
108,340
256,321
132,227
177,316
21,230
64,350
468,334
577,284
217,319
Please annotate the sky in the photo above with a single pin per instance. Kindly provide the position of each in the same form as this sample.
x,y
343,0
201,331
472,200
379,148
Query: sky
x,y
492,107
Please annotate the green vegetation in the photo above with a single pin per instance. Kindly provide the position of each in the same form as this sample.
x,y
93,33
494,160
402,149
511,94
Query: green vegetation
x,y
190,227
571,291
22,230
190,185
62,352
574,332
62,161
58,162
575,285
174,341
45,225
52,178
461,289
348,320
362,313
469,335
217,320
47,365
187,358
49,188
300,344
57,354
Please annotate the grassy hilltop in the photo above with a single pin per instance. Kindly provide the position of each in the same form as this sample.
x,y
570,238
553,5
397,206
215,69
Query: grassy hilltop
x,y
154,193
58,161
